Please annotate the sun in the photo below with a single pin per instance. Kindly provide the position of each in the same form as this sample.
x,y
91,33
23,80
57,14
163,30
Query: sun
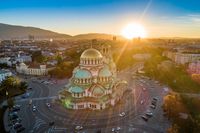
x,y
134,30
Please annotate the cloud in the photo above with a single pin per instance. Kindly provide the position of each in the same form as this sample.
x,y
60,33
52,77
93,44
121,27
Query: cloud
x,y
194,17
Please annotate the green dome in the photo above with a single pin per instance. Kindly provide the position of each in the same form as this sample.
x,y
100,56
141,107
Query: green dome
x,y
76,89
81,73
98,91
105,72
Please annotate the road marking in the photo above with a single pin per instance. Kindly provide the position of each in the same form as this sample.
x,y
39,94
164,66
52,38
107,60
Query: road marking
x,y
37,99
38,123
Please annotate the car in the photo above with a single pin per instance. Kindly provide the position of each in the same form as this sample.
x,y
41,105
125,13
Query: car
x,y
144,117
155,98
153,103
48,105
51,123
15,109
30,88
17,106
34,108
20,129
118,128
12,114
26,95
30,101
17,120
152,106
142,101
78,127
13,117
122,114
113,129
17,125
149,114
144,89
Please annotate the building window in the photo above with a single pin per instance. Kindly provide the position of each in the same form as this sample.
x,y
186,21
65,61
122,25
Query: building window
x,y
81,106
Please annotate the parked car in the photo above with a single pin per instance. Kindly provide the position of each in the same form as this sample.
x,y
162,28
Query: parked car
x,y
12,117
78,127
17,120
20,129
152,106
149,114
113,129
118,128
51,123
12,114
155,98
17,125
144,117
153,103
17,106
122,114
142,101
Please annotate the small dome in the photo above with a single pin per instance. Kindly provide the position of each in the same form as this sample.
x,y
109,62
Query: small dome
x,y
22,64
105,72
97,91
76,89
91,54
82,73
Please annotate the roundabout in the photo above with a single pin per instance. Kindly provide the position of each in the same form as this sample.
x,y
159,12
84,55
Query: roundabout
x,y
134,103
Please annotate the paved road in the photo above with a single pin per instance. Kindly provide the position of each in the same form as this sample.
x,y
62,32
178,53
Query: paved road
x,y
66,120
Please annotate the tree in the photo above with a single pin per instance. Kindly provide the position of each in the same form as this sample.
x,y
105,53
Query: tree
x,y
10,102
59,59
23,86
11,86
38,57
173,129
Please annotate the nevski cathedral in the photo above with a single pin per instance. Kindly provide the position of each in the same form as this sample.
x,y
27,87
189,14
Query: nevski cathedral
x,y
94,83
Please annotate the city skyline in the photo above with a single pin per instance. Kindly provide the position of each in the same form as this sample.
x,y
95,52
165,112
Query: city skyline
x,y
160,19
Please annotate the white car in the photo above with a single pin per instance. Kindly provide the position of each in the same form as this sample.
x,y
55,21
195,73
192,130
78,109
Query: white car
x,y
142,101
78,127
113,129
122,114
30,101
118,128
48,105
34,108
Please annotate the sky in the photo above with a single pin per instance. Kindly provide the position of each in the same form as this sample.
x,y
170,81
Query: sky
x,y
161,18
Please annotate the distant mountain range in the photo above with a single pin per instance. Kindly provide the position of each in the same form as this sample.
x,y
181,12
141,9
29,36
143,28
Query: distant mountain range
x,y
22,32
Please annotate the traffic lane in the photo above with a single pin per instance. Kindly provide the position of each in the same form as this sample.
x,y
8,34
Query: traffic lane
x,y
156,91
40,91
26,112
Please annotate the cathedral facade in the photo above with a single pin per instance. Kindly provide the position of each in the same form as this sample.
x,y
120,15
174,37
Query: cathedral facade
x,y
94,83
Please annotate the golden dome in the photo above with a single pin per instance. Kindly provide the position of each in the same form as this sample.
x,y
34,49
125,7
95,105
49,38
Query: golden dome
x,y
91,53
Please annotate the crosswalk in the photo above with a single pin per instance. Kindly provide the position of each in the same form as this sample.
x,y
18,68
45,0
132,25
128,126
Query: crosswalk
x,y
54,129
38,123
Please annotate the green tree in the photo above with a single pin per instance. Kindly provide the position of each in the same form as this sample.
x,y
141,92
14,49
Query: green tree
x,y
38,57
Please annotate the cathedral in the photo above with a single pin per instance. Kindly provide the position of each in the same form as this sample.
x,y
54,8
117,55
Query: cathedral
x,y
94,83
